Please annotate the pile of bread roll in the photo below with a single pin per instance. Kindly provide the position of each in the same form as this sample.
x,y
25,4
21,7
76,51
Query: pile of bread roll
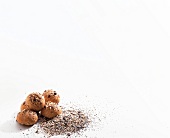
x,y
46,104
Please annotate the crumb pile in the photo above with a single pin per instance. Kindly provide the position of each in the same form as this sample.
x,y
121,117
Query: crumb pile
x,y
69,122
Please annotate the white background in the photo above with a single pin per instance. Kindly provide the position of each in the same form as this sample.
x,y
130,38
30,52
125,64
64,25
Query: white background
x,y
114,49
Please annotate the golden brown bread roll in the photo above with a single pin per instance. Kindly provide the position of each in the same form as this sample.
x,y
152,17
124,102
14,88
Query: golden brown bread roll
x,y
51,110
27,117
35,101
52,96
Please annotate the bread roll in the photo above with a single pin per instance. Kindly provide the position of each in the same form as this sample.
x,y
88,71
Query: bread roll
x,y
52,96
27,117
35,101
51,110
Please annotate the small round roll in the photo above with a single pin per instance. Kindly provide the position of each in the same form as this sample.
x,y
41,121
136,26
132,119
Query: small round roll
x,y
51,96
35,101
24,106
51,110
27,117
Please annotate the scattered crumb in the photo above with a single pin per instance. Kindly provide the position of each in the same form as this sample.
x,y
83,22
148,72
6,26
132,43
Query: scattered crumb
x,y
71,121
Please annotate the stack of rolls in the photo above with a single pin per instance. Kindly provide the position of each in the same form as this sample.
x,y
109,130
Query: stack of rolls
x,y
45,104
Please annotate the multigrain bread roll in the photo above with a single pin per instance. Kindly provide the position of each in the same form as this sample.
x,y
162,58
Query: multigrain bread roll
x,y
35,101
52,96
51,110
24,105
27,117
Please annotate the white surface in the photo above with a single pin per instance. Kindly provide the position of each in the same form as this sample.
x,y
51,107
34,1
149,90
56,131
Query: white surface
x,y
118,50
